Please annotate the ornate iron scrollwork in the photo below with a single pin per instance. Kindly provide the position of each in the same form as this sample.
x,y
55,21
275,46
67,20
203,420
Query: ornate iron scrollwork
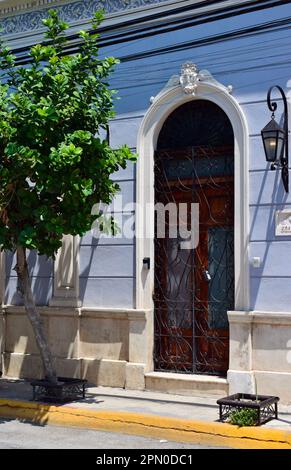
x,y
194,288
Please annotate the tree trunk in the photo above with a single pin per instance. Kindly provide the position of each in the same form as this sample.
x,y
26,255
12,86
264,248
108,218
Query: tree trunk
x,y
24,287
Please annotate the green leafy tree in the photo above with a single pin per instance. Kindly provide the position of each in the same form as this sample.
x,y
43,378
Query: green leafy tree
x,y
53,165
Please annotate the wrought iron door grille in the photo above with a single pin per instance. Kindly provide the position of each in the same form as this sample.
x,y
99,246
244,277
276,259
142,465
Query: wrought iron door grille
x,y
194,288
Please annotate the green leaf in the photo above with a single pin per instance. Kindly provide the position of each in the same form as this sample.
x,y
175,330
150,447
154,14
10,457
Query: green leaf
x,y
53,165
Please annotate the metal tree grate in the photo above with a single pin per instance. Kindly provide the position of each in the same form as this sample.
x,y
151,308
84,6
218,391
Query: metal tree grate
x,y
265,405
66,389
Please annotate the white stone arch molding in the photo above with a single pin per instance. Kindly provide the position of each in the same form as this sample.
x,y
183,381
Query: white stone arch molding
x,y
171,97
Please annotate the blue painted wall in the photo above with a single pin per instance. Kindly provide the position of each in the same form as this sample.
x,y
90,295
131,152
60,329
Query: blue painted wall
x,y
251,64
41,271
107,263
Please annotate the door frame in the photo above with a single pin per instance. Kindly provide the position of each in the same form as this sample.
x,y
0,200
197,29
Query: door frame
x,y
171,97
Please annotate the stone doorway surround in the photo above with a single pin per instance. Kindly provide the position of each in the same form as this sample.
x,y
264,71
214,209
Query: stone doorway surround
x,y
173,95
170,98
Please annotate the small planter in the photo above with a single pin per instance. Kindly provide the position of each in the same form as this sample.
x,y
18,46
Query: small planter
x,y
66,389
266,406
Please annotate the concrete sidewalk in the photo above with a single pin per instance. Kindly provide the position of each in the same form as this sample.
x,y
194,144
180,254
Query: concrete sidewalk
x,y
175,417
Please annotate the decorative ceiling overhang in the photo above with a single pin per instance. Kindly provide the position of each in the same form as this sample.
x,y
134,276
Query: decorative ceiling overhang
x,y
19,16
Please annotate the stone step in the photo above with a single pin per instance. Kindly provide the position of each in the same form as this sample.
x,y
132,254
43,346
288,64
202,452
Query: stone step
x,y
186,384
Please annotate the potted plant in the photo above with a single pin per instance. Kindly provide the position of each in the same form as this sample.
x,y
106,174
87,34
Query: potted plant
x,y
246,409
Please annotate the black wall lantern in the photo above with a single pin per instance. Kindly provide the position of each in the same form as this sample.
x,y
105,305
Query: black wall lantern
x,y
275,139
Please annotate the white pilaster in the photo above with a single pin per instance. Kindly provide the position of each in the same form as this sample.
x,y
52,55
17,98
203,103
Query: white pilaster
x,y
240,375
141,338
66,274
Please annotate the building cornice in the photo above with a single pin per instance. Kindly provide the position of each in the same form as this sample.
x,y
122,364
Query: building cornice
x,y
25,16
8,7
22,19
13,7
19,18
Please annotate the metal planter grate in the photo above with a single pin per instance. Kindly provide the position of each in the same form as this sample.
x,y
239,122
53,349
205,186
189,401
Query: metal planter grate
x,y
265,405
66,389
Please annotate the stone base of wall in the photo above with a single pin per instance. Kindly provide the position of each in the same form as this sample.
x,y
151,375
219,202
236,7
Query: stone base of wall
x,y
265,382
113,348
105,372
260,353
107,347
278,384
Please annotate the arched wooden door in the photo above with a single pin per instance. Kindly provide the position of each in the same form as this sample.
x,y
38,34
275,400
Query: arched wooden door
x,y
194,287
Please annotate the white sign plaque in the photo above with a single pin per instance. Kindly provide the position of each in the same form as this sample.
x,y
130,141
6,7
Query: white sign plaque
x,y
283,223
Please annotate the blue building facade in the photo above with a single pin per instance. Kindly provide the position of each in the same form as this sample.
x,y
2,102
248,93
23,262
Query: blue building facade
x,y
136,312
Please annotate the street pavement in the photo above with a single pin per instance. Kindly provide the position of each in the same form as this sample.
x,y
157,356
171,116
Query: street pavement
x,y
201,407
107,416
18,435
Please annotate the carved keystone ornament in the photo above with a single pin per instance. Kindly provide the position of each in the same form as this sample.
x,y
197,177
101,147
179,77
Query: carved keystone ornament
x,y
189,78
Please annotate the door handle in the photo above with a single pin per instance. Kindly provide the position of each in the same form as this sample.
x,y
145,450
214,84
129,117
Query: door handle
x,y
206,275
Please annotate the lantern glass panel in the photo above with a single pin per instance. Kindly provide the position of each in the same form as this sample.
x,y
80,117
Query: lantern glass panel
x,y
270,143
281,142
273,140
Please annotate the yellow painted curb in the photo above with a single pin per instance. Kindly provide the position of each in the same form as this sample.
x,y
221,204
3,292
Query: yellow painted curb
x,y
196,432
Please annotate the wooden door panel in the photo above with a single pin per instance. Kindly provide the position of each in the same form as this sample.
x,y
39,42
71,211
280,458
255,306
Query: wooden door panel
x,y
191,332
213,297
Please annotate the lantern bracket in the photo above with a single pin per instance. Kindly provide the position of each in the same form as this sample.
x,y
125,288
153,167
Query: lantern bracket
x,y
283,164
